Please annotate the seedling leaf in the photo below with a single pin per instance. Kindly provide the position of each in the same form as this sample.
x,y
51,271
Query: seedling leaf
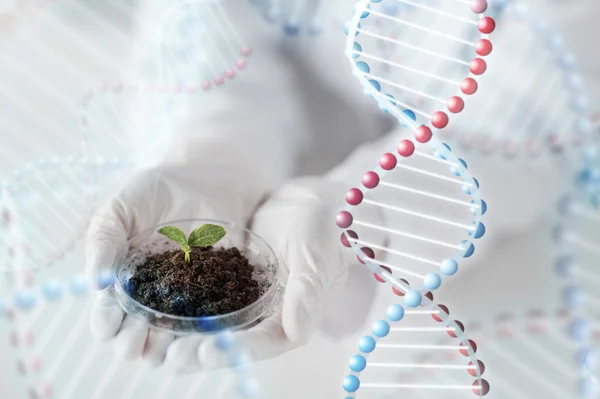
x,y
206,235
174,234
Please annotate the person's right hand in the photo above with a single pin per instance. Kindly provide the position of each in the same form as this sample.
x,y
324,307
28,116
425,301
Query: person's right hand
x,y
222,182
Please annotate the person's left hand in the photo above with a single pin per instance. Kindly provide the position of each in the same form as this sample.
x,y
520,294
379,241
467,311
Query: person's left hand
x,y
298,221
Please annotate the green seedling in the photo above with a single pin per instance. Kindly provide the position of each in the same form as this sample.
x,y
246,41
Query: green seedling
x,y
204,236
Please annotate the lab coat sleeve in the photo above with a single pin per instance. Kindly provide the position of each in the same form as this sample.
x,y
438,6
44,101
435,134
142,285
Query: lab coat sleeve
x,y
255,115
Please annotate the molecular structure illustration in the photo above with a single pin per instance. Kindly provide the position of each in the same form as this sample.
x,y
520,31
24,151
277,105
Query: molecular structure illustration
x,y
44,344
532,79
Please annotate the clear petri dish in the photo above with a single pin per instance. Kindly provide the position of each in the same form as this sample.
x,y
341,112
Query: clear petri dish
x,y
150,242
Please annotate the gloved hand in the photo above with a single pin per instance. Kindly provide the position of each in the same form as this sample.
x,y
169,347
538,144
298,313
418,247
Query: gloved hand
x,y
200,187
298,222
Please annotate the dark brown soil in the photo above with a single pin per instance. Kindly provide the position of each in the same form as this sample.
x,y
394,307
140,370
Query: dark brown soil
x,y
215,282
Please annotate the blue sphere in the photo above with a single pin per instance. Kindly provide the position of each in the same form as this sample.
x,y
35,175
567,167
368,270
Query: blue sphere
x,y
381,328
363,67
225,340
366,12
483,208
78,285
455,170
566,61
395,312
351,383
237,360
357,363
565,205
468,250
25,300
587,358
375,84
559,234
555,41
573,81
358,48
52,290
207,324
572,296
432,281
105,279
449,267
412,298
410,114
367,344
579,329
565,266
479,230
391,9
291,30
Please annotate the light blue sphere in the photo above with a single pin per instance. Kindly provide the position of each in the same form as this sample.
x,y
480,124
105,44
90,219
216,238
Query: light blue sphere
x,y
225,340
238,360
366,12
375,84
381,328
291,29
565,205
479,230
483,208
395,312
78,285
588,388
367,344
566,61
357,363
351,383
25,300
559,234
105,279
432,281
363,67
52,290
565,266
248,388
449,267
579,329
455,170
412,298
468,250
572,296
356,47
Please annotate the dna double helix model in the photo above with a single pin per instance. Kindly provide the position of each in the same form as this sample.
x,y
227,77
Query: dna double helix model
x,y
414,182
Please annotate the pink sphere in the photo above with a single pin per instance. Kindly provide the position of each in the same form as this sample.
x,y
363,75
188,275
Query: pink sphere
x,y
382,280
469,86
439,120
398,291
455,104
241,64
343,219
366,252
47,390
460,326
482,390
205,85
388,161
354,196
444,309
246,51
483,47
406,148
479,368
370,180
486,25
423,134
118,88
478,6
219,80
509,148
477,66
465,351
230,73
344,239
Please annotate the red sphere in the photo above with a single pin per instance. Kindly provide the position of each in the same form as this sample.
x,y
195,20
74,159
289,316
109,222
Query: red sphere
x,y
480,367
439,120
478,6
477,66
344,239
460,326
423,134
354,196
472,344
469,86
455,104
397,291
381,280
483,47
366,252
486,25
443,308
406,148
370,180
343,219
388,161
482,390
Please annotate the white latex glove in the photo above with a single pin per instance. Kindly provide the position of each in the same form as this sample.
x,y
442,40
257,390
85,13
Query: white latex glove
x,y
298,222
200,188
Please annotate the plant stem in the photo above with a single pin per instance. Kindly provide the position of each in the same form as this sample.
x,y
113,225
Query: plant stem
x,y
187,257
